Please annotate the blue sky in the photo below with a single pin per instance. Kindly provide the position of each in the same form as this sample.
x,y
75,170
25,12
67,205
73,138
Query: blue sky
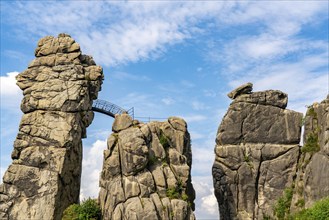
x,y
172,59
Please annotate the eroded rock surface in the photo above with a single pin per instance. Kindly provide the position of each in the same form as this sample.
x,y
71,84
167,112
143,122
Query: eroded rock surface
x,y
146,171
312,182
257,149
58,86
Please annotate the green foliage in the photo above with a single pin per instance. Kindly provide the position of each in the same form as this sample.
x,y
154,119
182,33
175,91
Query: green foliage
x,y
246,158
282,207
311,144
319,211
164,162
164,140
311,112
266,217
172,193
176,192
87,210
185,197
300,203
152,160
71,213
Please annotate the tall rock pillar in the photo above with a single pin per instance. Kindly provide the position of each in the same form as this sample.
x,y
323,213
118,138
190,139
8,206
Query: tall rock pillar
x,y
146,171
58,87
257,149
312,182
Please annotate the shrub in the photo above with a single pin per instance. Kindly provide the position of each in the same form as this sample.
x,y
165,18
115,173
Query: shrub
x,y
71,213
311,112
164,140
282,207
311,144
319,211
87,210
172,193
176,192
152,160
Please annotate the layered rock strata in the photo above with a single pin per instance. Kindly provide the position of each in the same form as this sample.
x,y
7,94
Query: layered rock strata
x,y
146,171
312,182
257,149
58,87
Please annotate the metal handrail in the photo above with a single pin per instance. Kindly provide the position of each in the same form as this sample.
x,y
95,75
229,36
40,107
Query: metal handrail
x,y
110,109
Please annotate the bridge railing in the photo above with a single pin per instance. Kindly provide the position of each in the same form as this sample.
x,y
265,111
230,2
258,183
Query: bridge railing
x,y
109,108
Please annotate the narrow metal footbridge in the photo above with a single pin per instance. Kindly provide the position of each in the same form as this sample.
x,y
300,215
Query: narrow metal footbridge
x,y
110,109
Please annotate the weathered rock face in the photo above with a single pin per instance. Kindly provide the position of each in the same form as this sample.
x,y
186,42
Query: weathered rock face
x,y
257,149
312,182
146,171
58,87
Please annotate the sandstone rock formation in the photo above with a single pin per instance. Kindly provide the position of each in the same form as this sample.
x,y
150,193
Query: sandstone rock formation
x,y
257,149
146,171
58,87
312,182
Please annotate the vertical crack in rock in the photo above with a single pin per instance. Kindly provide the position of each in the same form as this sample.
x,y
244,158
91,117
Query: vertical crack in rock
x,y
154,164
58,87
257,185
257,142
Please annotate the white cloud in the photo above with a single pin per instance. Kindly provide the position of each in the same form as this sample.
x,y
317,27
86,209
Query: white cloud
x,y
210,204
91,168
8,84
204,157
206,203
2,172
305,80
114,32
11,95
121,32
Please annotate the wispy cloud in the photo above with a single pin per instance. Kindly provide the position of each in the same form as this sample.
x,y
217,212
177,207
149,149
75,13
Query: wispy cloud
x,y
17,55
197,105
129,76
114,32
168,101
194,118
187,84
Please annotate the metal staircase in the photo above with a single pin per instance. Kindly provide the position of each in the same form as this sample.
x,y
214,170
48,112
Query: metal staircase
x,y
110,109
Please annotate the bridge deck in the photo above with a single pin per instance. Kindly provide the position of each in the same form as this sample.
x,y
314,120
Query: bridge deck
x,y
110,109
